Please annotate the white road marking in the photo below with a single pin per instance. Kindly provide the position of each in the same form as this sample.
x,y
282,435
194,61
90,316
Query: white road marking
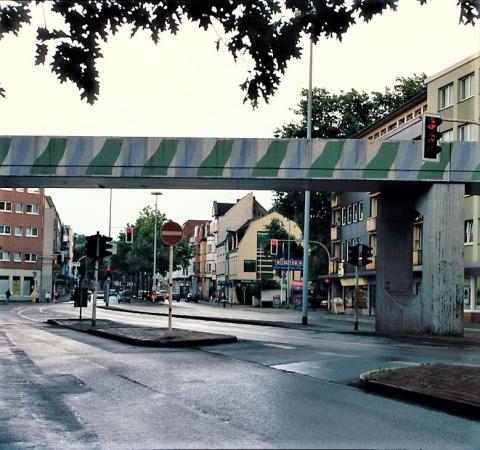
x,y
25,317
337,354
286,347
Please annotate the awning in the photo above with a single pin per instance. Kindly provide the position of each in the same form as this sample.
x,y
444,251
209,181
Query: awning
x,y
345,282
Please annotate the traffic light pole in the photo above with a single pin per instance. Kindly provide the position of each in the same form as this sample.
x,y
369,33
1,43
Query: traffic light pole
x,y
95,285
355,314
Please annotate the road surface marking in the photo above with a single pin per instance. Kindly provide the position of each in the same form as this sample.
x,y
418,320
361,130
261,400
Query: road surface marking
x,y
25,317
286,347
337,354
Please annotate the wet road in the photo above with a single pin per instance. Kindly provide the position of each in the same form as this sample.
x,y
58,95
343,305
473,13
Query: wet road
x,y
274,388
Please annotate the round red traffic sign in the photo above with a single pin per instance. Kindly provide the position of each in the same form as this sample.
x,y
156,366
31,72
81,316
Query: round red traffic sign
x,y
171,233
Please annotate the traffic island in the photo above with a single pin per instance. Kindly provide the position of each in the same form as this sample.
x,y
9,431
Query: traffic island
x,y
144,336
452,388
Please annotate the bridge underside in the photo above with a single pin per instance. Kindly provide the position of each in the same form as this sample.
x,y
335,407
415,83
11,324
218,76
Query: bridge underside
x,y
264,164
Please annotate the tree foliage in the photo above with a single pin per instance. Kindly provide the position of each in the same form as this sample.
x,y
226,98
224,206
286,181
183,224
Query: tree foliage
x,y
266,31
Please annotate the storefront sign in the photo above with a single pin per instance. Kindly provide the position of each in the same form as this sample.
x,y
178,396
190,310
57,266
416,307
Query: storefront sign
x,y
286,264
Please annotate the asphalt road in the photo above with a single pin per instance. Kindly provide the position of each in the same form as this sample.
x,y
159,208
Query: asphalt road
x,y
274,388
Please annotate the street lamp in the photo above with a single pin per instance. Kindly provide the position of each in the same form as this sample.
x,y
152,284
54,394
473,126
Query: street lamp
x,y
306,226
156,194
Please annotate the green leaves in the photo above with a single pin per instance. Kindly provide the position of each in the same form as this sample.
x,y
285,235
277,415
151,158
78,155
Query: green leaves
x,y
268,31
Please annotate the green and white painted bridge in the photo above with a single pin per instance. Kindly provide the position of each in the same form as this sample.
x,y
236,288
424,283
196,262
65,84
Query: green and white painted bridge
x,y
213,163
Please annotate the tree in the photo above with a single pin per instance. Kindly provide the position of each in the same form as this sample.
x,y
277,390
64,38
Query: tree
x,y
336,116
266,31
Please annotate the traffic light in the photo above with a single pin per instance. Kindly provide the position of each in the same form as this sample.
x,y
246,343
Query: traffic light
x,y
366,254
91,246
353,254
430,137
274,247
129,235
108,270
105,248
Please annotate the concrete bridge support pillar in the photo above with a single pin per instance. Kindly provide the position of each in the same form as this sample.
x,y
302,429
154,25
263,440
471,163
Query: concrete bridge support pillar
x,y
438,308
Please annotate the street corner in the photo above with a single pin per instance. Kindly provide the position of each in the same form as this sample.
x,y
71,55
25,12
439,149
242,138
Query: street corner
x,y
449,387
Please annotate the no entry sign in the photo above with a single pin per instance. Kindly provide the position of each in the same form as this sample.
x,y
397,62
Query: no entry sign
x,y
171,233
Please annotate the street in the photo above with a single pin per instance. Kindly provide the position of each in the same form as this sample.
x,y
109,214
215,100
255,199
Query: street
x,y
274,388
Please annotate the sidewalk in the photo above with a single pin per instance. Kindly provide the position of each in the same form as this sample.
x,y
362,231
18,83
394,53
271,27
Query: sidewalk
x,y
453,388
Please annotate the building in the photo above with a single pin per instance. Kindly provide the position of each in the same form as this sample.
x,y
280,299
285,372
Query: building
x,y
249,259
454,95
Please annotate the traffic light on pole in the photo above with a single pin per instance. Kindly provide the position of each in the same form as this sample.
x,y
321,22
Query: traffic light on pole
x,y
431,137
366,254
353,254
129,235
91,246
274,247
105,246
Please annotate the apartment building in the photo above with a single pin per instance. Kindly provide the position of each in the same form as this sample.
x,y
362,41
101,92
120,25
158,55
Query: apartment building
x,y
453,93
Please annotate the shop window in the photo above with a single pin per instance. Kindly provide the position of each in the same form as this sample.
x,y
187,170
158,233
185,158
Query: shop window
x,y
4,283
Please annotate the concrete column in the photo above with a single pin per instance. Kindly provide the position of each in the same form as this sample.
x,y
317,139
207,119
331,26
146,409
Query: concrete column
x,y
438,309
443,265
397,308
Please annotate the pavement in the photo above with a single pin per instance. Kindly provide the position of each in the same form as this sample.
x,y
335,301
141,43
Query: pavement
x,y
449,387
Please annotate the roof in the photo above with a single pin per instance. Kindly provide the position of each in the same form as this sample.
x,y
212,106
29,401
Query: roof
x,y
219,209
189,226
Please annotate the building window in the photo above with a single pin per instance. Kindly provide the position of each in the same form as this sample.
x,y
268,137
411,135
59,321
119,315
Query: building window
x,y
343,251
31,232
33,190
19,207
418,112
409,116
445,96
373,243
373,206
5,229
349,214
344,216
468,232
465,86
337,218
17,257
6,206
417,237
18,231
20,189
465,132
392,126
355,212
30,257
447,136
4,256
360,211
33,209
401,121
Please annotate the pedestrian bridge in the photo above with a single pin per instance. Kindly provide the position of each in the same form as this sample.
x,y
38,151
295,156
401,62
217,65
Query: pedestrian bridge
x,y
219,163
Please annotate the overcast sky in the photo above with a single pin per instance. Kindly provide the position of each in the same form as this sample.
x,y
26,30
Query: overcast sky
x,y
183,87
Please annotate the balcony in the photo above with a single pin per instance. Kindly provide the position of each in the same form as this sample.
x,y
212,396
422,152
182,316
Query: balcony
x,y
372,224
335,234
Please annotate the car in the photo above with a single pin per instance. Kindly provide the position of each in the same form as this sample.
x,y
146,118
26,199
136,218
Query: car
x,y
113,293
324,304
176,296
124,296
162,295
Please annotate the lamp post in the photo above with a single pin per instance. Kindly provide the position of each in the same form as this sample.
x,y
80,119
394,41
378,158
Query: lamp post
x,y
156,194
306,226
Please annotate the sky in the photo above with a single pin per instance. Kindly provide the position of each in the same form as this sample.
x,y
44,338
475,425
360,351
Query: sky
x,y
184,87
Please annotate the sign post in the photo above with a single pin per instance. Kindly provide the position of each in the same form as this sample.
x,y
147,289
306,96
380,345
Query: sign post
x,y
171,234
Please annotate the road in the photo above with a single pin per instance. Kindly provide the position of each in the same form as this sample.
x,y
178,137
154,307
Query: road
x,y
274,388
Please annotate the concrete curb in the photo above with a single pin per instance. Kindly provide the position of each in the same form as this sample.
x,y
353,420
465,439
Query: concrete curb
x,y
419,396
182,338
403,338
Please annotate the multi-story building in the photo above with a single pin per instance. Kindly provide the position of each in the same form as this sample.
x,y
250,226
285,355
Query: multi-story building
x,y
454,95
248,259
34,245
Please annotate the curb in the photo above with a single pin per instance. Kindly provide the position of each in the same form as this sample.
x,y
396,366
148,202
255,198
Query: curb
x,y
291,325
162,342
457,407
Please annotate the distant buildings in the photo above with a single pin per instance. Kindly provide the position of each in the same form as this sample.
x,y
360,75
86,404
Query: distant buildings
x,y
35,247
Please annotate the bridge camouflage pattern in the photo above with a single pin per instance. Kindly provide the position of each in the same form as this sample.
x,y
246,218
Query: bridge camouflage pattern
x,y
236,163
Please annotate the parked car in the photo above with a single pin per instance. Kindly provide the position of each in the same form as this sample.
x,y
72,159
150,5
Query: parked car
x,y
323,304
176,296
162,295
191,298
113,293
124,296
